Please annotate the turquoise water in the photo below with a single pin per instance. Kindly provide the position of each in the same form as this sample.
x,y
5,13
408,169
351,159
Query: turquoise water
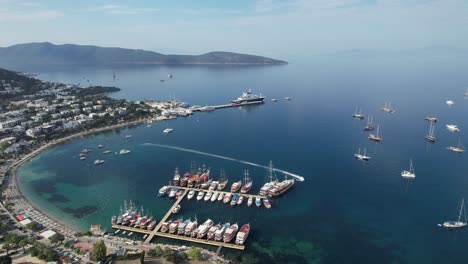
x,y
345,212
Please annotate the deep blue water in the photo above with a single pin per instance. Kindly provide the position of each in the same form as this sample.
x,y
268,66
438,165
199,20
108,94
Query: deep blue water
x,y
345,212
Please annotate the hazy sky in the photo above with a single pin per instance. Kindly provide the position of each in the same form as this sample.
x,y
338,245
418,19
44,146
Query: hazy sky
x,y
264,27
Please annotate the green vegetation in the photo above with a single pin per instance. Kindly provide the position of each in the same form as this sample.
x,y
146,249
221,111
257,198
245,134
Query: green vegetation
x,y
56,238
156,252
43,252
5,260
99,251
174,256
33,226
195,254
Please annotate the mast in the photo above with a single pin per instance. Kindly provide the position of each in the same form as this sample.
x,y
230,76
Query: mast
x,y
461,209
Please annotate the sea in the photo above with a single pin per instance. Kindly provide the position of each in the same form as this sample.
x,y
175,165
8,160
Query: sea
x,y
346,211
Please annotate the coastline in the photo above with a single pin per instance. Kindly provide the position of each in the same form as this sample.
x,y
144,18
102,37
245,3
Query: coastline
x,y
12,190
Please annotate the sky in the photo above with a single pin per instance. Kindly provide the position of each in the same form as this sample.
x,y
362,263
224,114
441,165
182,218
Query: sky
x,y
274,28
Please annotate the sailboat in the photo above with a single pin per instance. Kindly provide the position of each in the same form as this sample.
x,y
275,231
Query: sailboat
x,y
369,126
388,108
375,137
357,115
410,173
430,136
458,223
247,183
457,149
360,156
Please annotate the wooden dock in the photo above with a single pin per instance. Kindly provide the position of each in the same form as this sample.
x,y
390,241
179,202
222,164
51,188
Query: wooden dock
x,y
202,241
132,229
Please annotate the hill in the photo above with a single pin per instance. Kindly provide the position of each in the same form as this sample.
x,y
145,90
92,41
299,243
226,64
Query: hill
x,y
48,53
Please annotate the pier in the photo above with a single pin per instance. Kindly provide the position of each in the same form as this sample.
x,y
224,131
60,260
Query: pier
x,y
155,232
247,195
228,105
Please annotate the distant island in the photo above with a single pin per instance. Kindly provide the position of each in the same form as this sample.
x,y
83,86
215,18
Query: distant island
x,y
48,53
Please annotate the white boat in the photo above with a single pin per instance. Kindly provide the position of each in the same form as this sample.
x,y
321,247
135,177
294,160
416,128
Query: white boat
x,y
97,162
410,173
176,209
452,128
240,200
208,196
220,196
287,98
370,125
124,151
466,92
100,146
214,196
128,136
274,100
358,115
458,223
82,157
167,130
173,192
191,194
450,102
457,149
106,152
258,201
360,156
200,195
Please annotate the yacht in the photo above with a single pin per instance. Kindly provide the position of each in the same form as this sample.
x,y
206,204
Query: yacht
x,y
360,156
358,115
388,108
458,223
191,194
452,128
375,137
450,102
167,130
97,162
410,173
124,151
431,119
430,136
128,136
457,149
106,152
200,195
248,97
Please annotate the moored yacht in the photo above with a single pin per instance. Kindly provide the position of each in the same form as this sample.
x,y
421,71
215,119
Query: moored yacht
x,y
247,183
409,173
358,115
243,234
375,137
230,233
452,128
200,195
248,97
124,151
190,194
236,186
360,156
458,223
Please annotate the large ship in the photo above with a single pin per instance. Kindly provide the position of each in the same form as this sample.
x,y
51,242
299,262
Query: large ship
x,y
243,234
247,183
281,187
223,181
230,233
248,97
270,183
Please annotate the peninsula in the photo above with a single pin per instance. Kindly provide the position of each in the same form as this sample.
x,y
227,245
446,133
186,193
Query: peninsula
x,y
48,53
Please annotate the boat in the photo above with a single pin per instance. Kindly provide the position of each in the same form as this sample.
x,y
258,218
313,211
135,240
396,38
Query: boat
x,y
370,126
410,173
100,146
223,181
163,191
208,196
124,151
219,233
182,226
214,196
179,193
230,233
128,136
184,180
220,196
430,136
247,183
167,131
200,195
274,100
450,102
281,187
235,198
240,200
174,225
236,186
123,233
118,230
227,197
82,157
206,184
97,162
212,231
431,119
375,137
248,97
129,234
176,179
270,181
388,108
360,156
192,226
205,175
452,128
85,151
165,226
173,192
151,225
106,152
466,92
192,180
243,234
190,194
213,185
458,223
357,115
287,98
203,229
176,209
457,149
266,203
250,201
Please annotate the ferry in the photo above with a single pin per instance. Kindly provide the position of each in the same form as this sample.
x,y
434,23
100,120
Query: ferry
x,y
266,203
97,162
236,186
219,233
243,234
124,151
200,195
190,194
248,97
281,187
203,229
176,180
230,233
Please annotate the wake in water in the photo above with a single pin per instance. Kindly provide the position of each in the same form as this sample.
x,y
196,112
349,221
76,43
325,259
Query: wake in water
x,y
297,177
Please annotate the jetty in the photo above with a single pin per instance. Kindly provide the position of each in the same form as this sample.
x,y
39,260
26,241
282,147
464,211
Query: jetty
x,y
198,109
155,232
247,195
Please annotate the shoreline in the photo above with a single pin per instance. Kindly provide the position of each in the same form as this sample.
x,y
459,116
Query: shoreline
x,y
12,190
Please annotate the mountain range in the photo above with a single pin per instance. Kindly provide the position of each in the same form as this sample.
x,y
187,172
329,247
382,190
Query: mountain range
x,y
48,53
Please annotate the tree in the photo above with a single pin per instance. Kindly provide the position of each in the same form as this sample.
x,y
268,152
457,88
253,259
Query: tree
x,y
142,257
56,238
23,243
3,228
156,252
195,254
5,260
99,250
6,247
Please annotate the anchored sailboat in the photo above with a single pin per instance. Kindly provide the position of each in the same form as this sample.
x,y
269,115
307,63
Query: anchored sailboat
x,y
375,137
458,148
360,156
410,173
388,108
458,223
430,136
357,115
370,126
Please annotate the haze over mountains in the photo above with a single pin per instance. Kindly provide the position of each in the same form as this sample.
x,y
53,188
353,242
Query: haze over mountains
x,y
48,53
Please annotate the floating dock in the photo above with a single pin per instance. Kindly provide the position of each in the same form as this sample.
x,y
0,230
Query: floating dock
x,y
155,232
